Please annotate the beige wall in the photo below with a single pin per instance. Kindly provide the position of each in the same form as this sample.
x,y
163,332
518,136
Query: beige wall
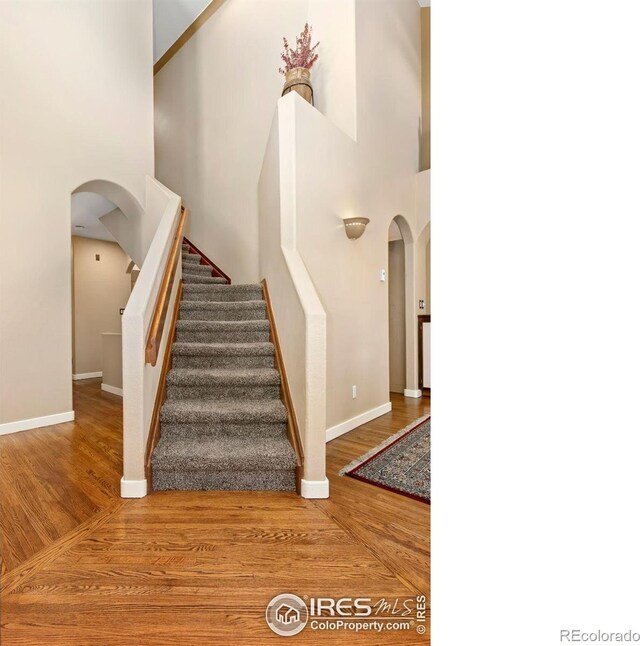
x,y
101,288
112,360
79,75
334,177
376,178
214,103
425,62
423,269
397,336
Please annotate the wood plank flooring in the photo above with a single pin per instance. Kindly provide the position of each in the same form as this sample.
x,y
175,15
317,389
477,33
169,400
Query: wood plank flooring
x,y
83,567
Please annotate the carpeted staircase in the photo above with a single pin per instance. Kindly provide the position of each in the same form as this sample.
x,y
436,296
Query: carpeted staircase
x,y
222,425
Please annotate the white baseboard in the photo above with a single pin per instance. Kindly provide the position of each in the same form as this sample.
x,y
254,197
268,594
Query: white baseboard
x,y
86,375
36,422
412,393
133,488
358,420
314,488
112,389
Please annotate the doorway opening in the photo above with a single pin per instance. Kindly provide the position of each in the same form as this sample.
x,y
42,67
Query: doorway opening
x,y
397,307
101,286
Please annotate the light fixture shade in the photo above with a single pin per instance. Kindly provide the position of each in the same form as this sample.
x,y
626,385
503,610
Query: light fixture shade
x,y
355,227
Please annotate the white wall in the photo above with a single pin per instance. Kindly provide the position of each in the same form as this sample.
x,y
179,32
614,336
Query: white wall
x,y
214,104
79,78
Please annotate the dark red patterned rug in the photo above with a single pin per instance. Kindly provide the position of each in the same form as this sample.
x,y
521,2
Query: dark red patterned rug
x,y
402,463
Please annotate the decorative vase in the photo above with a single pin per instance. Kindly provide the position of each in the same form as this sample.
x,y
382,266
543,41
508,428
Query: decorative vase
x,y
299,80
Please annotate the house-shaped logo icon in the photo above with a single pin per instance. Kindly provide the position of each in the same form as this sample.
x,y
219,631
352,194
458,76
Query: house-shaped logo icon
x,y
287,615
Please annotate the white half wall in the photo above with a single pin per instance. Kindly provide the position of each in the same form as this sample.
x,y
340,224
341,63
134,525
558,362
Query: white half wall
x,y
300,317
139,379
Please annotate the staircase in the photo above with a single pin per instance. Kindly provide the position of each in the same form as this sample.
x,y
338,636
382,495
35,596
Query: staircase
x,y
223,424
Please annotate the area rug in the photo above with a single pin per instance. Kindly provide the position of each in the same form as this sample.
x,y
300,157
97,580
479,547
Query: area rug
x,y
402,463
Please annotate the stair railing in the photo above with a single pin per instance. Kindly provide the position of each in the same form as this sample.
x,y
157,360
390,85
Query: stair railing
x,y
164,294
204,260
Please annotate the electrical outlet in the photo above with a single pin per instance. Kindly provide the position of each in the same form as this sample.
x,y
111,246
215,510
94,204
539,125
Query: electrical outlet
x,y
383,275
421,304
354,392
97,256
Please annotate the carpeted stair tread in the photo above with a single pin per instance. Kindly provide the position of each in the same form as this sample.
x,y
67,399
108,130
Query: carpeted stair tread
x,y
249,288
232,453
202,279
229,306
280,480
221,326
222,331
222,349
222,311
191,259
223,429
220,293
192,268
188,411
223,377
223,384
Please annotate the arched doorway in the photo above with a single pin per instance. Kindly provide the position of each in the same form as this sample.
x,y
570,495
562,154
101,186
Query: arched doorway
x,y
403,364
397,320
105,236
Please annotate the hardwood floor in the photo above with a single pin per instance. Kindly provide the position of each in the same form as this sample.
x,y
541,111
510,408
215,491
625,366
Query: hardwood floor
x,y
83,567
54,478
395,528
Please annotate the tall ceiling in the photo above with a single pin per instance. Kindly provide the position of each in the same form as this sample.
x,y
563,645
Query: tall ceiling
x,y
86,211
170,19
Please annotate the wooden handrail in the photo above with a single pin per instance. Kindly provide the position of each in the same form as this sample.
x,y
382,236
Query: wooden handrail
x,y
293,432
164,294
207,261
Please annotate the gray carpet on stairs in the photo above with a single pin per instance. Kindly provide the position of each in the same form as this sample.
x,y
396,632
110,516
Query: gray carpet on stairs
x,y
222,425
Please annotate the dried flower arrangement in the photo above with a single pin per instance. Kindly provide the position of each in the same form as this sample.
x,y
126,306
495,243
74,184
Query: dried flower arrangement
x,y
303,56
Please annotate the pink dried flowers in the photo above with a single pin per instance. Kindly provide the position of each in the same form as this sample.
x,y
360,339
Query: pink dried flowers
x,y
303,56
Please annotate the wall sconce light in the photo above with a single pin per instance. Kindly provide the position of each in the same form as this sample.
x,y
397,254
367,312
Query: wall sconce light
x,y
355,227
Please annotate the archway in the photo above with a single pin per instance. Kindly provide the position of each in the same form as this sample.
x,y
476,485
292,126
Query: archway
x,y
403,361
123,220
106,242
